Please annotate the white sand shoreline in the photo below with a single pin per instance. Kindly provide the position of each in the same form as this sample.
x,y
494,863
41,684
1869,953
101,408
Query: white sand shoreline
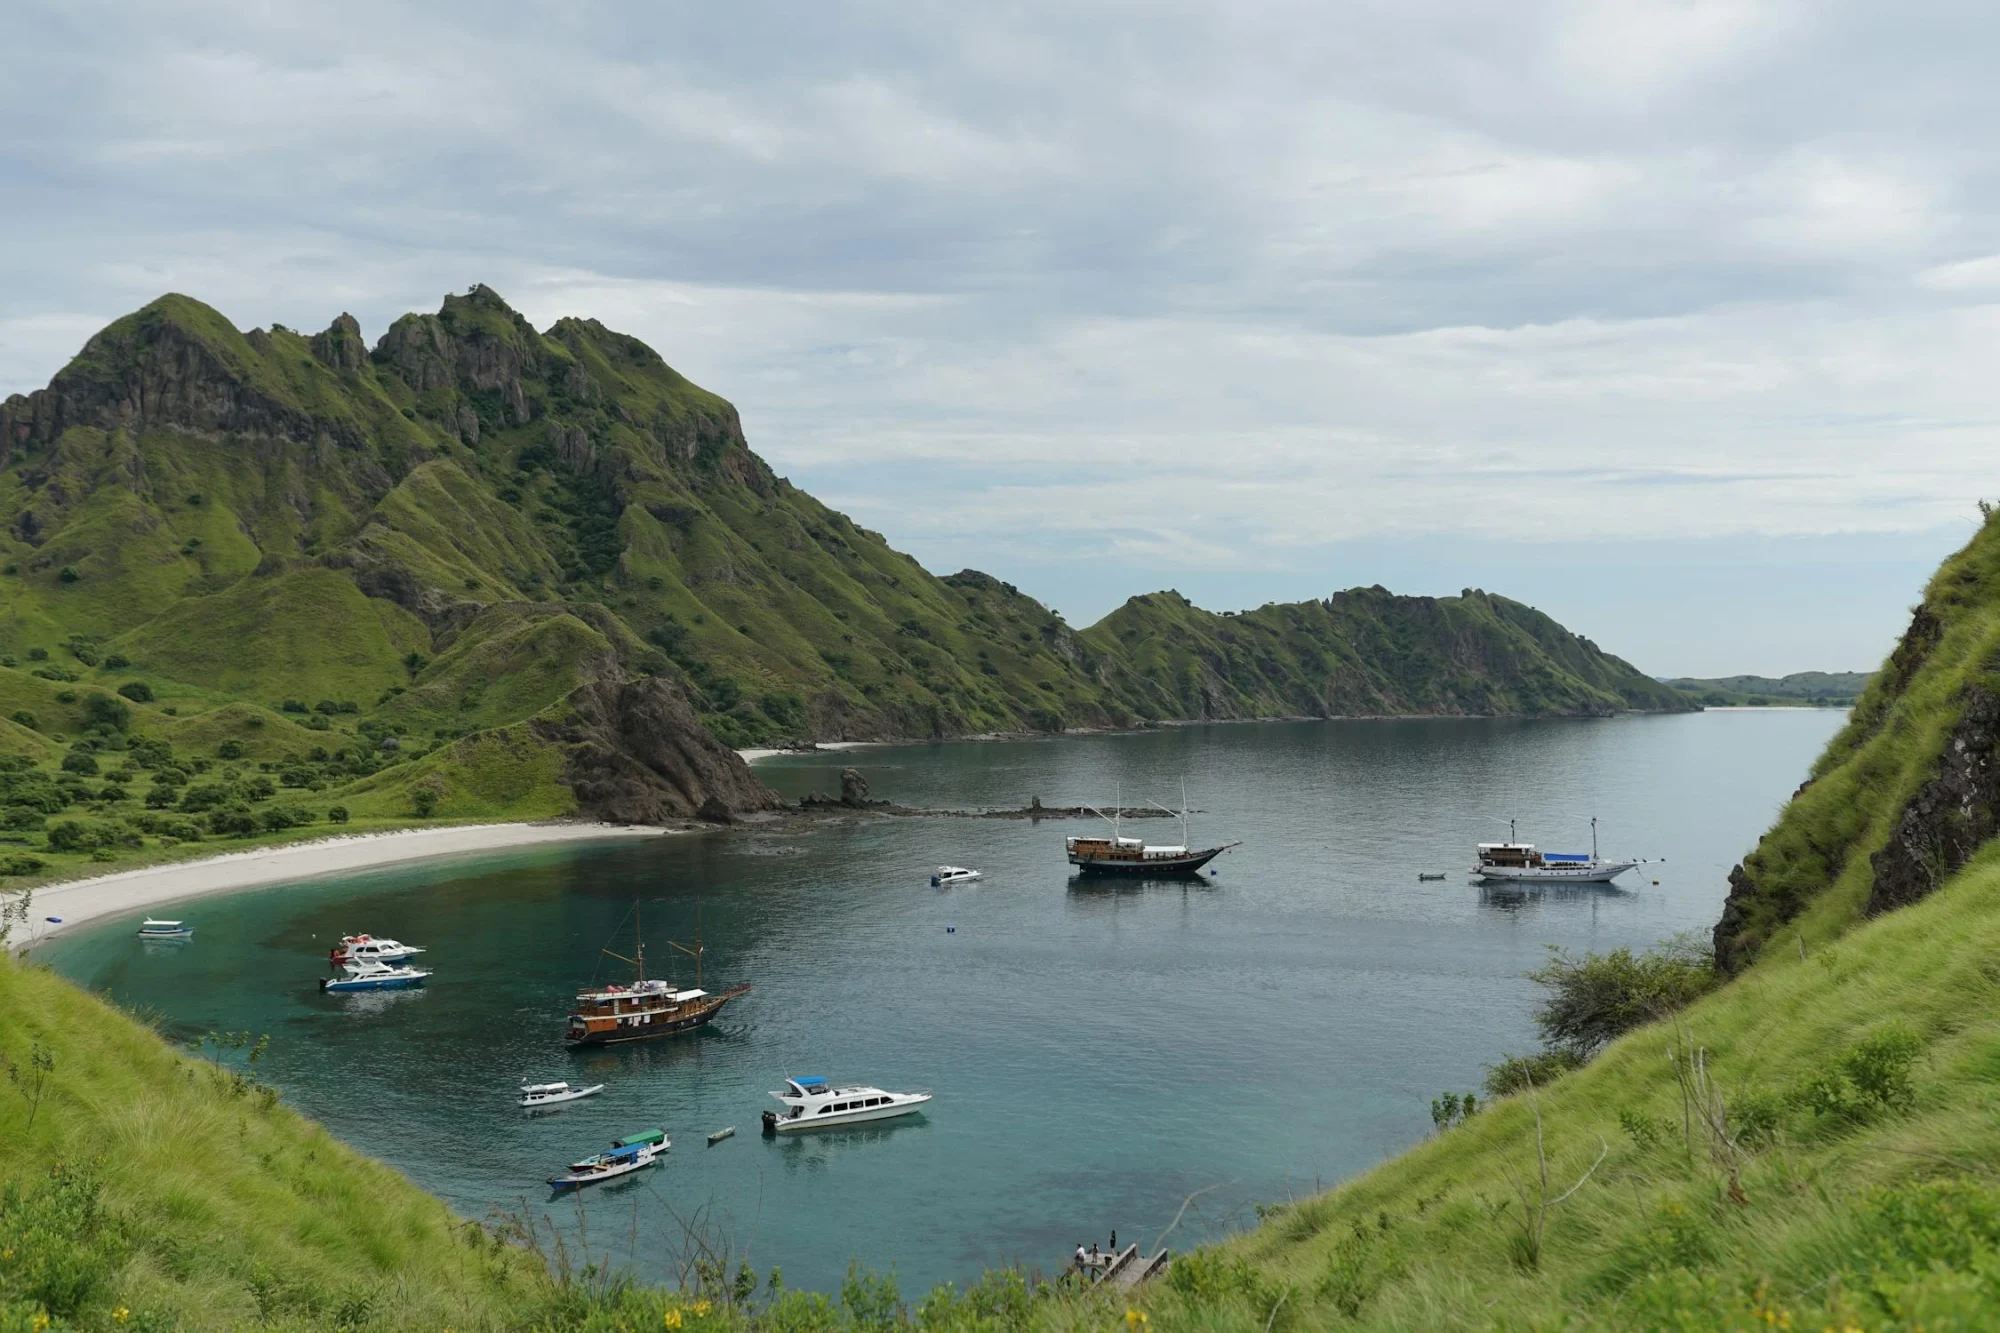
x,y
753,755
79,901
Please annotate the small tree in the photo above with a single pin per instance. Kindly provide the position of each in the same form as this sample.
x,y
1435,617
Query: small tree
x,y
32,1080
424,802
337,815
138,691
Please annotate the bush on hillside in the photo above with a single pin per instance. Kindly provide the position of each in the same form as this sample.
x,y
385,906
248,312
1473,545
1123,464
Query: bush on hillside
x,y
101,710
1596,998
337,815
79,761
117,662
84,835
1517,1073
138,691
229,750
26,719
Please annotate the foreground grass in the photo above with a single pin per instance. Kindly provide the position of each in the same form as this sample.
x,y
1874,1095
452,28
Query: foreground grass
x,y
136,1179
1838,1193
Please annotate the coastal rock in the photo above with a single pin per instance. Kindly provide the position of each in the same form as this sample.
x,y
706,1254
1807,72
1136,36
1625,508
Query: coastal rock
x,y
640,755
853,787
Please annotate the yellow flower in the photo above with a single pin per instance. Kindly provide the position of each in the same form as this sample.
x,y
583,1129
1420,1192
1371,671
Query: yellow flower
x,y
120,1314
673,1319
1135,1319
701,1309
41,1321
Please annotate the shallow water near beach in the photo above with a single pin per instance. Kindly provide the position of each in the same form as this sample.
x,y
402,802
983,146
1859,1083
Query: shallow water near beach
x,y
1099,1052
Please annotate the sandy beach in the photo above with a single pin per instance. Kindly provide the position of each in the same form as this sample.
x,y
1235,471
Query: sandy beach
x,y
132,891
753,755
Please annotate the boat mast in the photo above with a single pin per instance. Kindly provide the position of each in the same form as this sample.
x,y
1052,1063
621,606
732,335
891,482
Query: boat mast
x,y
638,936
1117,808
696,952
1186,842
1593,839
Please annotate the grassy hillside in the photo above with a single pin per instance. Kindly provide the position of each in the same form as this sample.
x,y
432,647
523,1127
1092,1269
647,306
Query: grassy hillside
x,y
1821,689
1364,652
1842,1176
141,1188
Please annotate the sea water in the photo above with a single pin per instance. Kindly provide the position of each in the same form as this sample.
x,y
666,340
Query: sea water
x,y
1099,1051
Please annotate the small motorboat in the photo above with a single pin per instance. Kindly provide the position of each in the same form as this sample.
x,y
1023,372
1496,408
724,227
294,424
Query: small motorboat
x,y
722,1134
374,976
551,1094
610,1165
369,949
651,1138
1424,878
952,875
810,1104
165,930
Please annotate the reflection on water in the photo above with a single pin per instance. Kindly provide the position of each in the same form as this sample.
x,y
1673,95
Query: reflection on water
x,y
1314,995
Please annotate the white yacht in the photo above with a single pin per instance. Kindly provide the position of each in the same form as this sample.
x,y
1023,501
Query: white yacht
x,y
553,1094
165,930
811,1103
369,949
952,875
374,976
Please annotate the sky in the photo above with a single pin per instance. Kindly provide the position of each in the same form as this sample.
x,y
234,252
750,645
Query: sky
x,y
1675,318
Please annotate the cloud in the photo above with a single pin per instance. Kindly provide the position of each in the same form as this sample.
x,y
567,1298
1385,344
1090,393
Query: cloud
x,y
1055,277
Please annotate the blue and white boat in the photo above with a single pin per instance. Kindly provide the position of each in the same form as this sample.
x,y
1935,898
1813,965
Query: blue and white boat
x,y
374,976
1520,863
164,930
631,1154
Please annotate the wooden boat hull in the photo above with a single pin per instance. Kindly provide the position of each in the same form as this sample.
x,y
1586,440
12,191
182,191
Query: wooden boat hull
x,y
1155,867
616,1031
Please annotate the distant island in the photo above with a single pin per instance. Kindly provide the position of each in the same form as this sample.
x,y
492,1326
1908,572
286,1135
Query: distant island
x,y
257,584
1816,689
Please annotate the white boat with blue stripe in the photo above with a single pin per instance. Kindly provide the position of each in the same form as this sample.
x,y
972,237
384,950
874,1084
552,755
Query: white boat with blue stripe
x,y
375,976
1520,863
813,1103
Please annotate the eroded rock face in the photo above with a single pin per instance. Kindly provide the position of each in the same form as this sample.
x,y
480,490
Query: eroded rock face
x,y
1950,816
641,755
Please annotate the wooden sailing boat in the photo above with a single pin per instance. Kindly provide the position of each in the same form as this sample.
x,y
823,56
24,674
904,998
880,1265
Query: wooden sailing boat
x,y
646,1008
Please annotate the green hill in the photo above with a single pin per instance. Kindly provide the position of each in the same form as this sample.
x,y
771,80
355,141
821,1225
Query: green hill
x,y
340,562
1821,689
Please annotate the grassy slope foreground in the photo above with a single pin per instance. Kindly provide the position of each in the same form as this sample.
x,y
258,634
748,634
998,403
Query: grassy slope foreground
x,y
481,571
140,1180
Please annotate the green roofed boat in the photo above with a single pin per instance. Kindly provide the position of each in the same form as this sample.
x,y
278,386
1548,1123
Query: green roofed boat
x,y
649,1137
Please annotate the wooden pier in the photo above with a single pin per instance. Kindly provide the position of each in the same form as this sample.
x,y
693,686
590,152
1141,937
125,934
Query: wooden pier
x,y
1125,1269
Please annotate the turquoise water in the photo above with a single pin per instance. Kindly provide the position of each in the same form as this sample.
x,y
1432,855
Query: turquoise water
x,y
1098,1051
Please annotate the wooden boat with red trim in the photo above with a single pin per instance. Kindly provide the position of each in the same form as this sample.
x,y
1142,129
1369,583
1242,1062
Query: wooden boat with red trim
x,y
645,1008
1119,855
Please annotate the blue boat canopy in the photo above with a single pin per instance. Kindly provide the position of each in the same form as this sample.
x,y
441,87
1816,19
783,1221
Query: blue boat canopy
x,y
814,1081
1564,856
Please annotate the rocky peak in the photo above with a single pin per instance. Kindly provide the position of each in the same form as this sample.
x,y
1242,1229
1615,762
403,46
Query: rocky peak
x,y
340,347
475,343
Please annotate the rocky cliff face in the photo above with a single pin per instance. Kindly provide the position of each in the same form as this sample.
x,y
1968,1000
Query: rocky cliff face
x,y
1907,793
639,755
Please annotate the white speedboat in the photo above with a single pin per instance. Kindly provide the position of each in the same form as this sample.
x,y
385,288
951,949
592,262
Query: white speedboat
x,y
370,949
611,1165
953,875
164,930
810,1103
1520,863
374,976
554,1094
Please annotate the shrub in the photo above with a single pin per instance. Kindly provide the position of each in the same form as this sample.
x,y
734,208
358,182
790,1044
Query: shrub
x,y
66,1247
1599,997
1515,1073
21,819
112,792
38,654
160,798
69,574
78,835
1871,1076
102,710
138,691
117,662
318,723
229,750
206,796
423,802
77,761
26,719
337,815
23,865
65,696
232,819
260,788
56,673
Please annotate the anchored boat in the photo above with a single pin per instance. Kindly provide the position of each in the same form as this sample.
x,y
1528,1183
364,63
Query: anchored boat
x,y
639,1153
1520,862
369,949
1119,855
375,976
163,930
645,1009
810,1104
535,1095
944,875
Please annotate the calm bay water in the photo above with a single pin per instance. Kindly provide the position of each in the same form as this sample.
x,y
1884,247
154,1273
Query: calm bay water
x,y
1098,1052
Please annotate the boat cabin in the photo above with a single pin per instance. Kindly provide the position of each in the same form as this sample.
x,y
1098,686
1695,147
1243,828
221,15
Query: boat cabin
x,y
1120,849
1520,855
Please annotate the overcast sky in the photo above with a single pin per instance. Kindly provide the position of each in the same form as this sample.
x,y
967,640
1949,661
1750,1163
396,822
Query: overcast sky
x,y
1675,319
